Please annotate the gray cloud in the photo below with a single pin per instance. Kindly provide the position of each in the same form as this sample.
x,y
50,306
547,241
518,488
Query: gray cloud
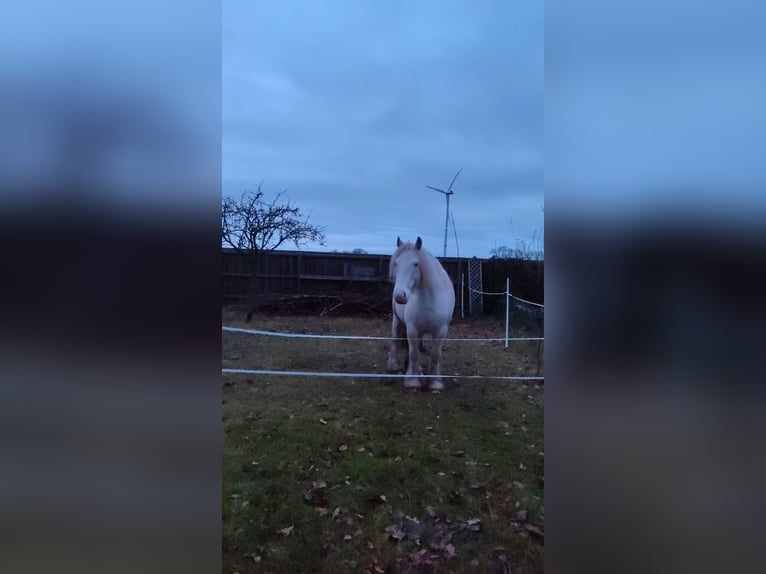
x,y
355,108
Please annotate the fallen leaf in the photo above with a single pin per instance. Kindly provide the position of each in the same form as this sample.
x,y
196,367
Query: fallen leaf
x,y
430,510
370,545
521,466
411,527
324,422
458,453
474,524
519,516
499,561
537,534
382,497
322,511
335,513
286,531
316,496
255,556
343,448
361,449
395,532
446,540
347,537
450,550
440,473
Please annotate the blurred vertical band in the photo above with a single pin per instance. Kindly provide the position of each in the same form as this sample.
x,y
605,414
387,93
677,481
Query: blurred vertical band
x,y
656,283
109,214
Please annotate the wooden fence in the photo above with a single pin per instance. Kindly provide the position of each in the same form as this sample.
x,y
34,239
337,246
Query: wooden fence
x,y
286,275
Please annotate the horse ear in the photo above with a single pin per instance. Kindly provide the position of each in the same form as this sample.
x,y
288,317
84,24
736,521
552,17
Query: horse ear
x,y
418,243
398,241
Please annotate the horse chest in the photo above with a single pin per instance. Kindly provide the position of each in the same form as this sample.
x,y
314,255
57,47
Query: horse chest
x,y
419,313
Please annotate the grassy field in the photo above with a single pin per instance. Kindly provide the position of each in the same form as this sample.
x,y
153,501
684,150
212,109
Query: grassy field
x,y
334,475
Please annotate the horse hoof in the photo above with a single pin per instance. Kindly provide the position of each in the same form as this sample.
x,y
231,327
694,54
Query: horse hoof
x,y
412,383
437,386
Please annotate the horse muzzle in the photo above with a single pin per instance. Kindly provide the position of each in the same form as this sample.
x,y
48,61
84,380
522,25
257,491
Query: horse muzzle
x,y
400,298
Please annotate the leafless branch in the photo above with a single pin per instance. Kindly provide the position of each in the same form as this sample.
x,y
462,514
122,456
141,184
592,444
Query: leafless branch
x,y
251,223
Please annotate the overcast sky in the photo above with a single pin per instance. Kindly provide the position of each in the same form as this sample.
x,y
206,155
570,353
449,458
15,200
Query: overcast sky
x,y
354,107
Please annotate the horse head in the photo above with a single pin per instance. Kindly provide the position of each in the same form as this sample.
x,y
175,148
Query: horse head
x,y
406,271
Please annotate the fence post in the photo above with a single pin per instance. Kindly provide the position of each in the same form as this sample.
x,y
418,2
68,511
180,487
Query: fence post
x,y
462,290
507,306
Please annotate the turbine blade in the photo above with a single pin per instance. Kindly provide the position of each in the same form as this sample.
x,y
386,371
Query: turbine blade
x,y
454,178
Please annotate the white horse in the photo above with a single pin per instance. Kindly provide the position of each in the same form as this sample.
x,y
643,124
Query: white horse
x,y
423,302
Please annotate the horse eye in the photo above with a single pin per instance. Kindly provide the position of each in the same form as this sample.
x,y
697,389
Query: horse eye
x,y
416,264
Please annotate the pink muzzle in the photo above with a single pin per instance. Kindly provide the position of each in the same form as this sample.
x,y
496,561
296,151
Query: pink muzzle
x,y
400,298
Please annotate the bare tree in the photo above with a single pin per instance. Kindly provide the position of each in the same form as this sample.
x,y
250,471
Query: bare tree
x,y
252,225
524,250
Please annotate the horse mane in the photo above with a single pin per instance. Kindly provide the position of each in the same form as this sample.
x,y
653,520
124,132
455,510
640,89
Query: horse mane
x,y
429,265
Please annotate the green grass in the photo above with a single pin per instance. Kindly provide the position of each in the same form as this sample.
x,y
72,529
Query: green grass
x,y
473,451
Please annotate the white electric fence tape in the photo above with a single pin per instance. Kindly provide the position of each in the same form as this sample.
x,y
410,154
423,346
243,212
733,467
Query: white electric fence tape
x,y
371,375
358,337
362,375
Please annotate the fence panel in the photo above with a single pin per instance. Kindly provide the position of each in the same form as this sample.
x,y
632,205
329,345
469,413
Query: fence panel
x,y
296,273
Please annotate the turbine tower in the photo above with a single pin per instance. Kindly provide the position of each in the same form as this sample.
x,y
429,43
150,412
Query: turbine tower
x,y
447,195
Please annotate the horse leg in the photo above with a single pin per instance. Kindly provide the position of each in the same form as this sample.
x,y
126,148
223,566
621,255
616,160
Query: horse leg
x,y
435,363
398,352
411,380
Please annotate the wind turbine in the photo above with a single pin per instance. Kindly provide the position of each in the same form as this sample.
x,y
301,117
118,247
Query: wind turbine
x,y
447,195
454,230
